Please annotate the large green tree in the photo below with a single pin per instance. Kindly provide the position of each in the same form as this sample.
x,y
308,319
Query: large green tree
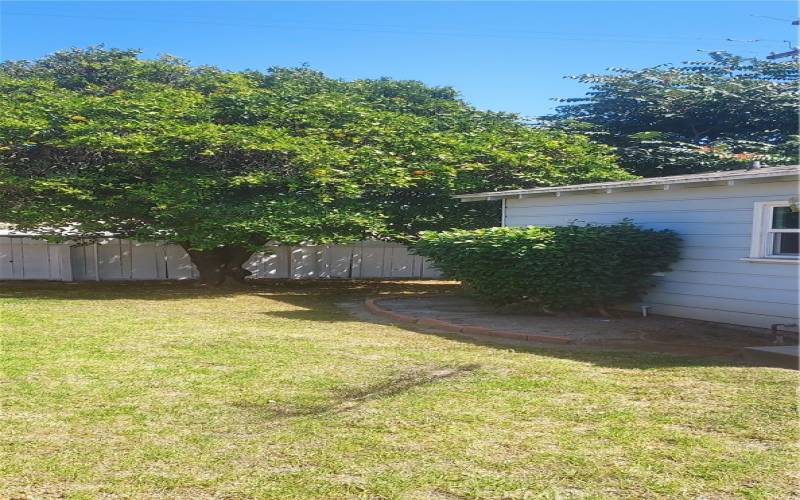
x,y
222,162
718,114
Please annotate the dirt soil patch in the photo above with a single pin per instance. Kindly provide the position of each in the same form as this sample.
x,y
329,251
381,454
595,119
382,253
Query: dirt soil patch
x,y
625,330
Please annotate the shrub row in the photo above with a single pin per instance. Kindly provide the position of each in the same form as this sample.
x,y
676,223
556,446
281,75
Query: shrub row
x,y
559,268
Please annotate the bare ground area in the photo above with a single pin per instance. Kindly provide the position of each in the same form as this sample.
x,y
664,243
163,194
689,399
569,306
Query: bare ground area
x,y
622,330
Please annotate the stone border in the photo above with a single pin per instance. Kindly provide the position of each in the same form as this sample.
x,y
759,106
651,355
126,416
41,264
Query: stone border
x,y
438,324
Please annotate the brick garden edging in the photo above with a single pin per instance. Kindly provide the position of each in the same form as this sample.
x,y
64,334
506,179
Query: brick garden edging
x,y
439,324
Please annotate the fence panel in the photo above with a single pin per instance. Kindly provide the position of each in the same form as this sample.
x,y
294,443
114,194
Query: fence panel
x,y
147,260
82,259
113,259
23,258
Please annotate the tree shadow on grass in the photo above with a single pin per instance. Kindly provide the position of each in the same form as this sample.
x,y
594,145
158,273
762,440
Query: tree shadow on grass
x,y
607,357
307,315
348,398
316,301
278,289
619,357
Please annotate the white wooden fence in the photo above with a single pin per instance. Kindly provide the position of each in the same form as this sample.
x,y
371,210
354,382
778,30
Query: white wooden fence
x,y
118,259
366,259
34,259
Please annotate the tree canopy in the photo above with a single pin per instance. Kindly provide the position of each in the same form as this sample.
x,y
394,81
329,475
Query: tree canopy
x,y
222,162
718,114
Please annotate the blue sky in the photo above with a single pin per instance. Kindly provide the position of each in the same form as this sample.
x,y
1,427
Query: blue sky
x,y
500,56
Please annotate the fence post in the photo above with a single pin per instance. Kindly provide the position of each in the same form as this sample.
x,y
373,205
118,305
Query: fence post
x,y
96,262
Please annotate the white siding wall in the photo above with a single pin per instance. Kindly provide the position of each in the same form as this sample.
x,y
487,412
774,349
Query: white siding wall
x,y
711,281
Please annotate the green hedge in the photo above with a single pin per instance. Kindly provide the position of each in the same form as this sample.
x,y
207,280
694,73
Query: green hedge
x,y
558,268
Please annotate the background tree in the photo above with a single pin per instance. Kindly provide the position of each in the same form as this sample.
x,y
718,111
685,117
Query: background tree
x,y
715,115
224,162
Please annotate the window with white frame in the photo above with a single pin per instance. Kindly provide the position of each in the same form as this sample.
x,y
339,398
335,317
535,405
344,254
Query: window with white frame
x,y
776,234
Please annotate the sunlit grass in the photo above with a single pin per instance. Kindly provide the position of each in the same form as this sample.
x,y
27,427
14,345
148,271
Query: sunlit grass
x,y
141,390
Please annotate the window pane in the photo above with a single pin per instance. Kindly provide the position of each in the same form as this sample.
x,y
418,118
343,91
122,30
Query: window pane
x,y
785,243
784,218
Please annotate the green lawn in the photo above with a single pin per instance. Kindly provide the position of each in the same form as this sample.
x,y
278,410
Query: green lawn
x,y
173,391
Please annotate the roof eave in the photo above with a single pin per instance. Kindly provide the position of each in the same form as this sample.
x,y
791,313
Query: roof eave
x,y
723,178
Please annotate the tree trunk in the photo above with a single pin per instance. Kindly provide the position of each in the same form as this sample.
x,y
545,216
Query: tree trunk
x,y
220,266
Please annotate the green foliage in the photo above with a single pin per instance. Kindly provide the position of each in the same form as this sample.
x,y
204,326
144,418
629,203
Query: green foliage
x,y
565,268
714,115
101,140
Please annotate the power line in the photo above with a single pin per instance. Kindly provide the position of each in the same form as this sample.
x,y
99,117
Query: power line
x,y
782,19
533,35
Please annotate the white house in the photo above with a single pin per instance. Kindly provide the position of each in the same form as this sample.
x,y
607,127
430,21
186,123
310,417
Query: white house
x,y
739,261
